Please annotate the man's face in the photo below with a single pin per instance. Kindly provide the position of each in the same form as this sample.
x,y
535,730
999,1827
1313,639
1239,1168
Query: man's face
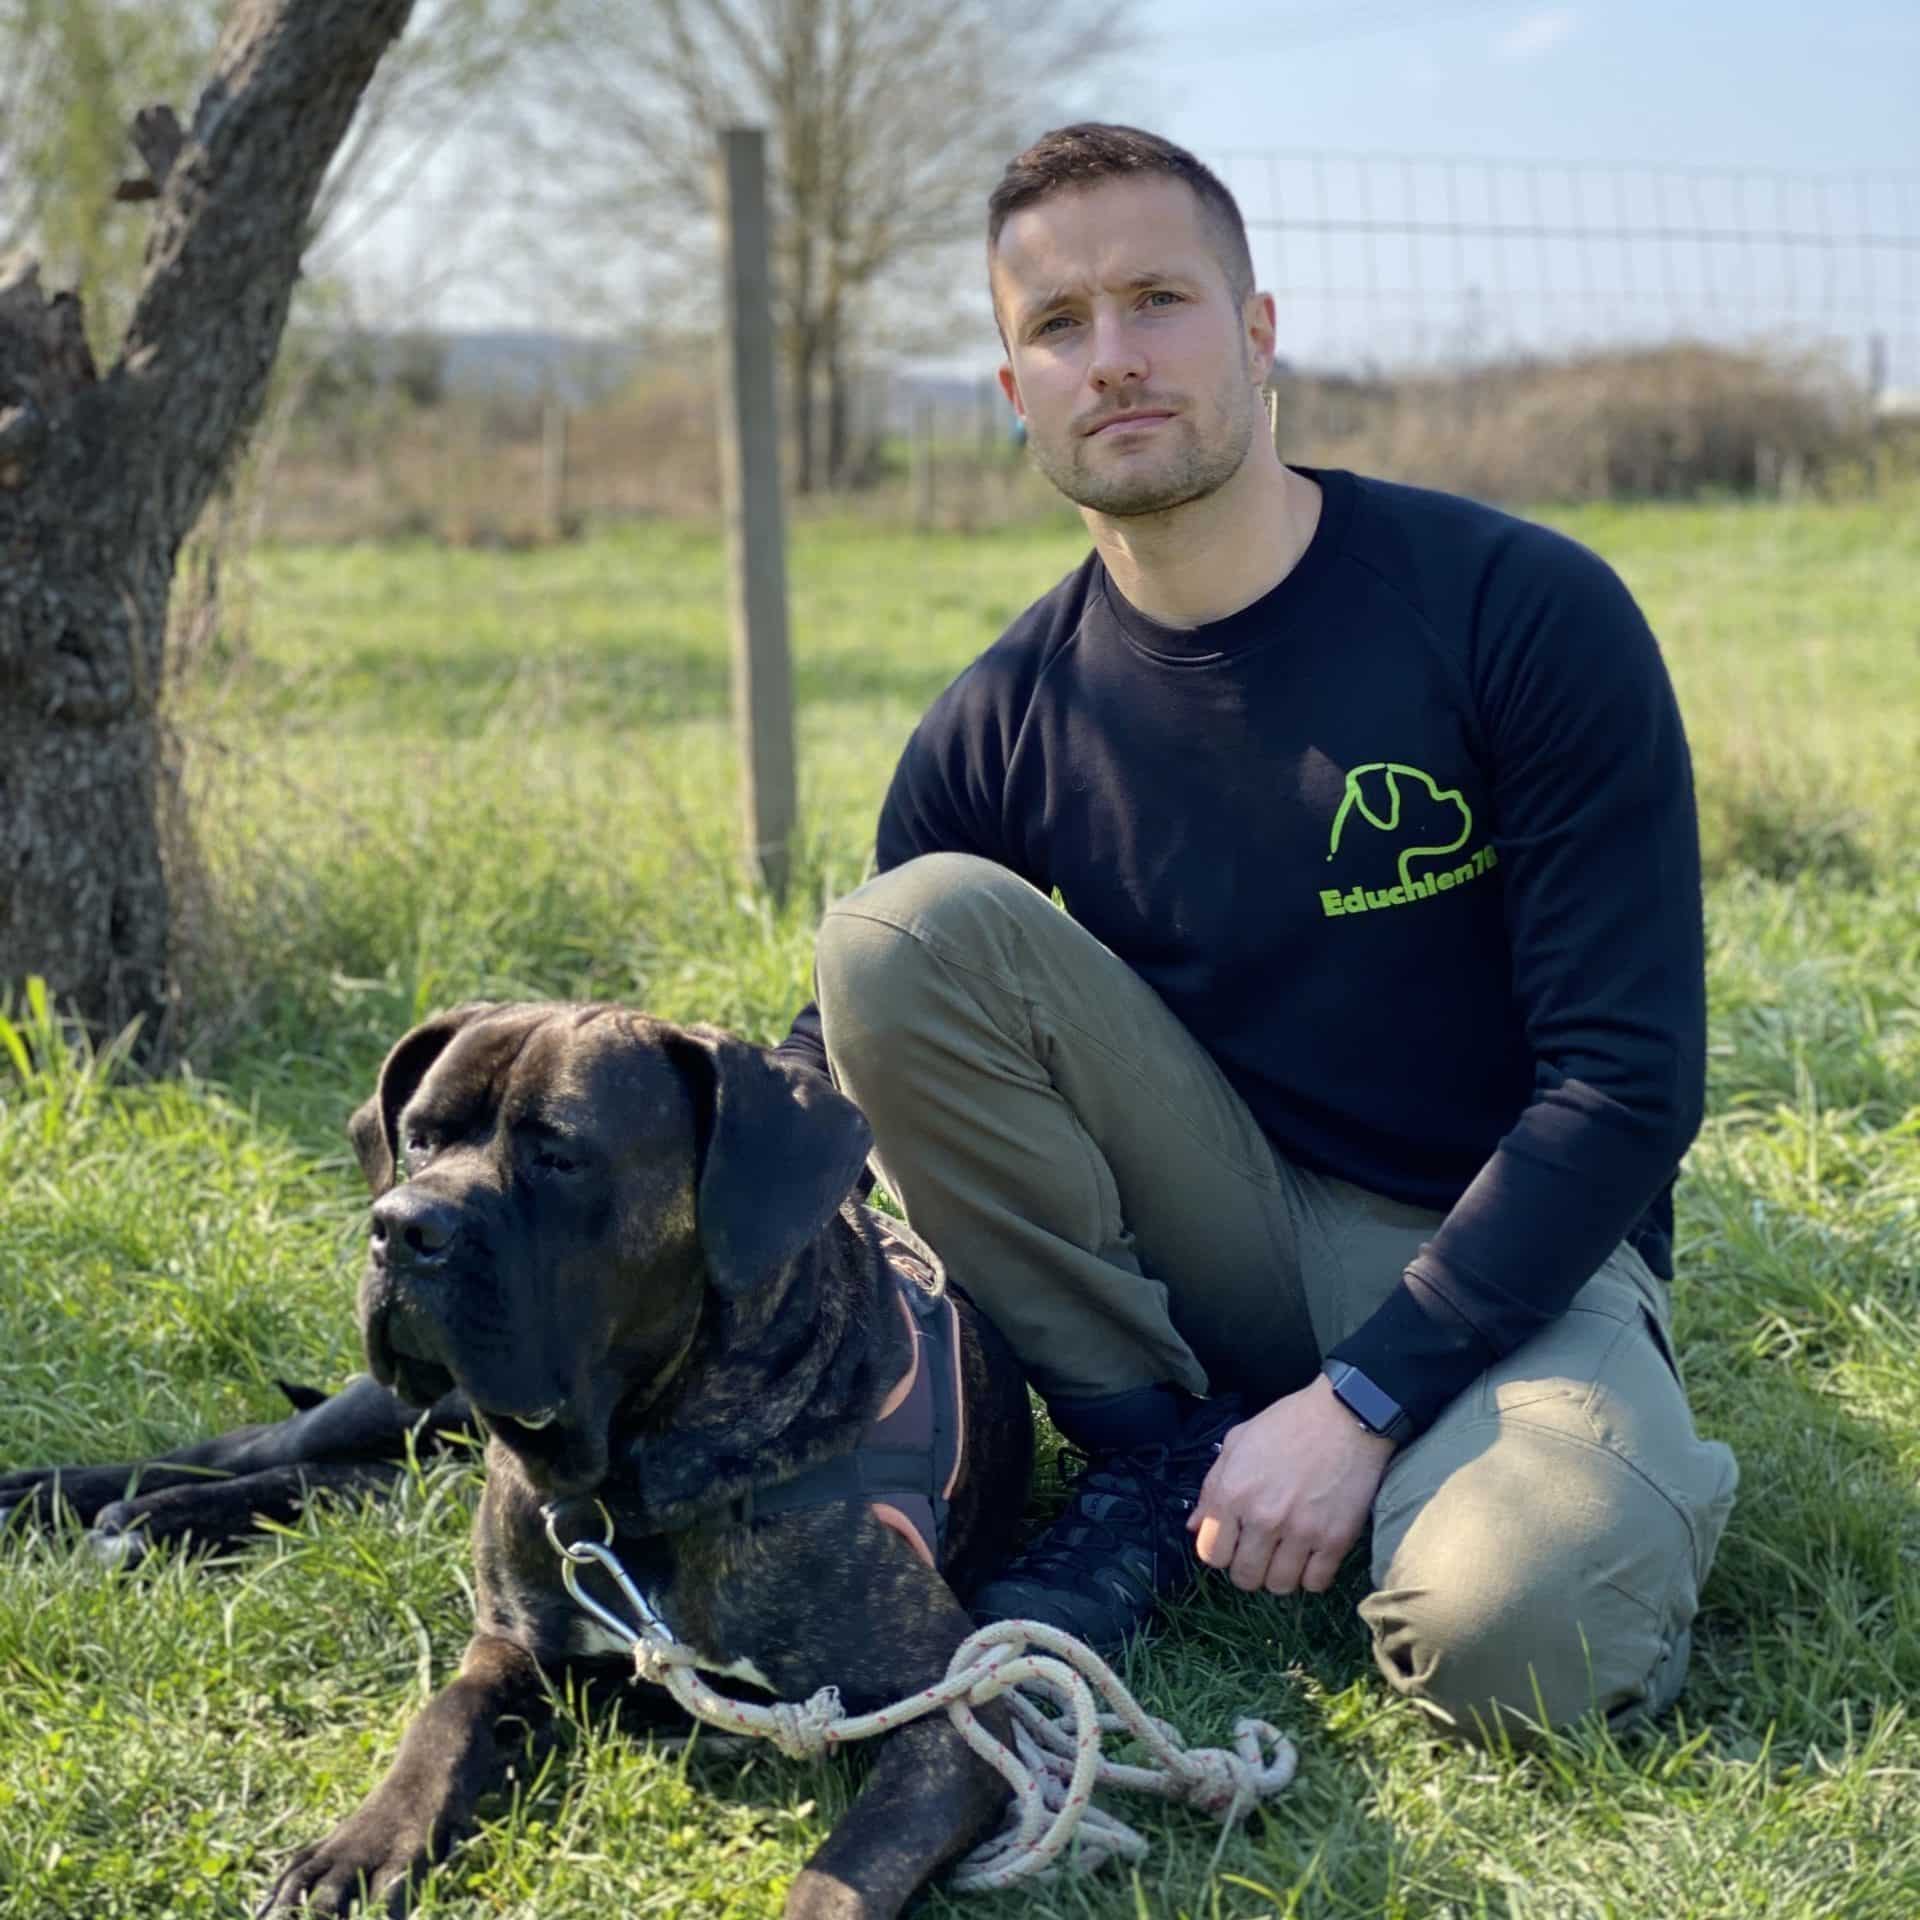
x,y
1113,303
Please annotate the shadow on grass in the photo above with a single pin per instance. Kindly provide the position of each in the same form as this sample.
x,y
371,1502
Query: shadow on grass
x,y
1321,1846
1810,1632
1805,1634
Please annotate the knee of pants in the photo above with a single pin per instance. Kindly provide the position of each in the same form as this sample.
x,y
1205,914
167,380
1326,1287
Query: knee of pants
x,y
878,948
1517,1613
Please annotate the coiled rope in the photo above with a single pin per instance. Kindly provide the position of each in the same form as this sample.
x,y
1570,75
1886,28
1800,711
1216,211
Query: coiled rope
x,y
1055,1765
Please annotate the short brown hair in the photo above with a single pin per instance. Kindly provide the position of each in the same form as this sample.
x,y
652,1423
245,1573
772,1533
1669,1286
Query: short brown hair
x,y
1090,152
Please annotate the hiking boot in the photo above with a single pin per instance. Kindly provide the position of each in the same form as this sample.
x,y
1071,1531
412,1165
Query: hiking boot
x,y
1121,1545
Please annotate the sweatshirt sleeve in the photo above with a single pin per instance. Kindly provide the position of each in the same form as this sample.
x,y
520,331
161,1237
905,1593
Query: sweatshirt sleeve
x,y
1594,824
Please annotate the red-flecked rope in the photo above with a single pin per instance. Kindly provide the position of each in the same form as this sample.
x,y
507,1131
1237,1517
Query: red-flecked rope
x,y
1055,1765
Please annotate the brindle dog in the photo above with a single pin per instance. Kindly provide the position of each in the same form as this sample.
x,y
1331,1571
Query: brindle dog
x,y
628,1249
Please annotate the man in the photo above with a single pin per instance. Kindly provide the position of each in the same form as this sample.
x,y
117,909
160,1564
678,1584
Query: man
x,y
1318,1158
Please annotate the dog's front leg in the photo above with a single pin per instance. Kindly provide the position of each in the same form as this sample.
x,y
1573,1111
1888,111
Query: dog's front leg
x,y
338,1439
927,1800
457,1750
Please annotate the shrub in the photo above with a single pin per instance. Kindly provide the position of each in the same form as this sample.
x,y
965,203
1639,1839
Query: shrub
x,y
1669,422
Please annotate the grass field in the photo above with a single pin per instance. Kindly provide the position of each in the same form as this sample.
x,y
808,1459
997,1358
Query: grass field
x,y
424,776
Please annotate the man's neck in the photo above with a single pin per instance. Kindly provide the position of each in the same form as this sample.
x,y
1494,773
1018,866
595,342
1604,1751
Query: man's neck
x,y
1213,556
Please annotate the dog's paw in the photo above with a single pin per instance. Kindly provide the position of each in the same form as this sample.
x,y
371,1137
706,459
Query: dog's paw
x,y
371,1862
815,1895
116,1538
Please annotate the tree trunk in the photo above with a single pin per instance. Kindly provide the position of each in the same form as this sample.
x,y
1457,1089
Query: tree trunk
x,y
840,473
803,403
102,478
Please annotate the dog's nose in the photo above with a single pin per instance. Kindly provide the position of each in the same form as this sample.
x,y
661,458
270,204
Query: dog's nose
x,y
411,1227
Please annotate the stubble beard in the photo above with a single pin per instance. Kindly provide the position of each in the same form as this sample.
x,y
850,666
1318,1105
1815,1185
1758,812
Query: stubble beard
x,y
1159,482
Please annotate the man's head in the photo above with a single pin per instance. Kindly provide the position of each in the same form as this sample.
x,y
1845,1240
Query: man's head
x,y
1136,345
1071,159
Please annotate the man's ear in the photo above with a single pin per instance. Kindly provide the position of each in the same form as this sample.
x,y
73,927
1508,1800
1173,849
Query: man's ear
x,y
1261,324
374,1129
1010,386
779,1150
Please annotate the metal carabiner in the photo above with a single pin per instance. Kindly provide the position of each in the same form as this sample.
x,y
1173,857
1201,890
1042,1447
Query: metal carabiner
x,y
575,1554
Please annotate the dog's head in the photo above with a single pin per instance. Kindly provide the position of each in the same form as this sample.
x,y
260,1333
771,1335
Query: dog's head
x,y
556,1190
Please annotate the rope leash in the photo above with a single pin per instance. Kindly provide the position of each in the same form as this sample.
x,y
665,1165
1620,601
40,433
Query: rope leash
x,y
1055,1765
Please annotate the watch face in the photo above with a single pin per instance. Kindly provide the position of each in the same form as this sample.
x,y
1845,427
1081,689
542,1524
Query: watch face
x,y
1375,1409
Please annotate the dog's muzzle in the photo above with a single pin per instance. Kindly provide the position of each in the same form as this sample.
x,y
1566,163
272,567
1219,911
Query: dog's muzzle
x,y
425,1322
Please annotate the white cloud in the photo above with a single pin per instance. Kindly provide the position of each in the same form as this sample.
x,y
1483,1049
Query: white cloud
x,y
1535,34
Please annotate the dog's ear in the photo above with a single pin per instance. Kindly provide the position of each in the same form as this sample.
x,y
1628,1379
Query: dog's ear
x,y
374,1129
779,1147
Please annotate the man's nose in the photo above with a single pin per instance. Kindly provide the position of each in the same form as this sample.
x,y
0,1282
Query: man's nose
x,y
411,1228
1117,358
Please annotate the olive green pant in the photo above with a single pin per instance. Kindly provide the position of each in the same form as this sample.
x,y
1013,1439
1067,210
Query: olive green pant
x,y
1092,1180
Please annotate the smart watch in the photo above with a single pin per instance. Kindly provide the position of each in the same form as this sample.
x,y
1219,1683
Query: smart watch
x,y
1372,1406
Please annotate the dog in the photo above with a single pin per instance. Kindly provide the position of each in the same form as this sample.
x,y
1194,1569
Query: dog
x,y
626,1253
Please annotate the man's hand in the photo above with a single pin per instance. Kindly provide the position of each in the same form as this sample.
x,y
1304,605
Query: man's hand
x,y
1289,1493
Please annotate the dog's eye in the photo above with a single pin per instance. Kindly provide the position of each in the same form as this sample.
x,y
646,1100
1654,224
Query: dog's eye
x,y
552,1160
417,1147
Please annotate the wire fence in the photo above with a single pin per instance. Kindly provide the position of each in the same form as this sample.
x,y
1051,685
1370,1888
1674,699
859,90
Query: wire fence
x,y
1517,329
1394,259
1528,330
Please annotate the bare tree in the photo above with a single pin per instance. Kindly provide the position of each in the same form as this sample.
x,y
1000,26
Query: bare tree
x,y
72,73
75,71
103,475
887,119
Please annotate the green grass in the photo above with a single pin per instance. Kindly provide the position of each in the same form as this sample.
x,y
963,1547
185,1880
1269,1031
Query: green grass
x,y
424,776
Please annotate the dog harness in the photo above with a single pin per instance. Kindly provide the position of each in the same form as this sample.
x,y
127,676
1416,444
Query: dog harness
x,y
908,1460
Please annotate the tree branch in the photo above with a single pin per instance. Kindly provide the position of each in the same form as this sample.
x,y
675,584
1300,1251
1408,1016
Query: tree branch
x,y
44,362
157,138
232,222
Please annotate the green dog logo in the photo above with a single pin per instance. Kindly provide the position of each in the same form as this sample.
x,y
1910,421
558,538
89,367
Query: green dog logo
x,y
1430,820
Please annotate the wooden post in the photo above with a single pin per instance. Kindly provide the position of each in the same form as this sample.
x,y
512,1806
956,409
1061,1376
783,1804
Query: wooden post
x,y
750,481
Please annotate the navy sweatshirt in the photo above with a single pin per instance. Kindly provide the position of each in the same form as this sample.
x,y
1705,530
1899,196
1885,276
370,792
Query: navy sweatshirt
x,y
1409,846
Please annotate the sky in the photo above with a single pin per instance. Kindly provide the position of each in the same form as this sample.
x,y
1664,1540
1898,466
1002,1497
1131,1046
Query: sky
x,y
1725,126
1685,83
1517,159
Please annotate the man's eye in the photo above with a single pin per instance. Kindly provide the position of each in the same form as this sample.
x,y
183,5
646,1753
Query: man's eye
x,y
1047,326
1161,293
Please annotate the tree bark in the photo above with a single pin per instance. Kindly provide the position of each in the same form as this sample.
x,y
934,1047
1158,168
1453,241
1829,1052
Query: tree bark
x,y
103,477
803,406
840,468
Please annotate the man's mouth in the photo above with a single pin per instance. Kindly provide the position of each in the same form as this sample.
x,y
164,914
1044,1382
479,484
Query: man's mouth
x,y
1122,422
